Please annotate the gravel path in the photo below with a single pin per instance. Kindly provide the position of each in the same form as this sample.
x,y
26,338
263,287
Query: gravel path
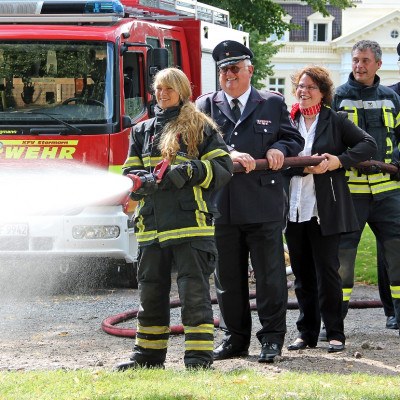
x,y
41,330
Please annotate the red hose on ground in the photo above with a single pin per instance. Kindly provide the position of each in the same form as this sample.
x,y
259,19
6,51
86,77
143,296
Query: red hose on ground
x,y
108,325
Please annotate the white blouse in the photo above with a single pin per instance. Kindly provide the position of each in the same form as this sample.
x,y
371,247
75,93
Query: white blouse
x,y
302,200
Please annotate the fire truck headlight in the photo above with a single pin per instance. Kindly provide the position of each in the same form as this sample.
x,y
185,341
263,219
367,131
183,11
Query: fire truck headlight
x,y
95,232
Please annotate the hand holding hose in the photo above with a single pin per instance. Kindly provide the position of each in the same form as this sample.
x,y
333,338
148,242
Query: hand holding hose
x,y
144,182
245,160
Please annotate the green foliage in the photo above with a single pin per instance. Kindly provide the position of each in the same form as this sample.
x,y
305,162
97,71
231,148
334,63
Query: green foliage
x,y
265,16
262,18
262,64
319,5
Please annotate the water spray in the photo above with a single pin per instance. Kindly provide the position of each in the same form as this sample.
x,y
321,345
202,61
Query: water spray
x,y
57,187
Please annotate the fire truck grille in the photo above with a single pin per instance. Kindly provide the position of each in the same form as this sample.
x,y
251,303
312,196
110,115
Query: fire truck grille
x,y
14,243
41,243
25,244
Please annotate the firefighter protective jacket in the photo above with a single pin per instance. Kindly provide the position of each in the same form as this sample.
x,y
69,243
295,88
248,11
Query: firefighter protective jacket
x,y
171,215
375,109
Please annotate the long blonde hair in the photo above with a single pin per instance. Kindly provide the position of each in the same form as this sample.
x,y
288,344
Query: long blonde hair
x,y
189,125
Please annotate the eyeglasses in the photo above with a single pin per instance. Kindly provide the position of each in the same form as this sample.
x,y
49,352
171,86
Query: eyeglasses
x,y
234,69
302,87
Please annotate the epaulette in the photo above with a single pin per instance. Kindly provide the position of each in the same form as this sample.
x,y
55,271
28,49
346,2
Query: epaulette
x,y
275,92
203,95
266,91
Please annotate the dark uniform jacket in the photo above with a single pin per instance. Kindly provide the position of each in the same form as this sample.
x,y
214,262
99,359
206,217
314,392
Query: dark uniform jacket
x,y
265,123
171,215
395,87
375,109
336,135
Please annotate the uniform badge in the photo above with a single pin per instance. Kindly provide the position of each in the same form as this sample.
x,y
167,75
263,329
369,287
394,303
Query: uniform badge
x,y
370,104
263,122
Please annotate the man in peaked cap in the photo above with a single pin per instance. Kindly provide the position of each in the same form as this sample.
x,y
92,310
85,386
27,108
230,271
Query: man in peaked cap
x,y
255,124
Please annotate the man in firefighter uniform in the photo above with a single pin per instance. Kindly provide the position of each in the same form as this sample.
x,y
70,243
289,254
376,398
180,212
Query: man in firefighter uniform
x,y
383,279
174,221
376,195
255,125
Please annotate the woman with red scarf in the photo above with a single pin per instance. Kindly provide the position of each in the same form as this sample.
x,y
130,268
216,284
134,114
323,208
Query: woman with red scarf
x,y
320,206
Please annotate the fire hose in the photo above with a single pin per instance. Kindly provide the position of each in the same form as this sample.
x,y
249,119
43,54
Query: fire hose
x,y
108,325
262,164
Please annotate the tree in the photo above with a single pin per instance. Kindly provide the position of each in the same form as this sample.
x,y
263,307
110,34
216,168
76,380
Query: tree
x,y
262,18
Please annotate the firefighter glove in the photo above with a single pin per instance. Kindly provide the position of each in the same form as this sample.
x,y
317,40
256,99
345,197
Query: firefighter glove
x,y
148,182
396,176
178,175
370,170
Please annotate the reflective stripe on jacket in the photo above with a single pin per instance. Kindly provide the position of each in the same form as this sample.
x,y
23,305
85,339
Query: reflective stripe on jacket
x,y
376,109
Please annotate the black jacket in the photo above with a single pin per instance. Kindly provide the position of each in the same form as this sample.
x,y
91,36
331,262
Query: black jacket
x,y
171,215
395,87
337,135
265,123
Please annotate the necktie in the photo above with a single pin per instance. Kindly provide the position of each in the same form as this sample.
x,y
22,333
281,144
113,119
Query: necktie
x,y
236,109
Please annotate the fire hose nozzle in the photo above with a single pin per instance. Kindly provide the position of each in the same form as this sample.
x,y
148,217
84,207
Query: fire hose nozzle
x,y
145,182
141,180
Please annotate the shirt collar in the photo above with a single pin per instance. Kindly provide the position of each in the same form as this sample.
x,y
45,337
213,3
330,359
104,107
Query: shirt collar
x,y
242,98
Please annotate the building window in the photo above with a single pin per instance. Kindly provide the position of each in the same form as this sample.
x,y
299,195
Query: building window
x,y
394,34
320,32
277,85
320,27
276,38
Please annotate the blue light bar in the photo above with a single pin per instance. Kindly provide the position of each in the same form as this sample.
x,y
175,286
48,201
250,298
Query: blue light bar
x,y
104,7
88,7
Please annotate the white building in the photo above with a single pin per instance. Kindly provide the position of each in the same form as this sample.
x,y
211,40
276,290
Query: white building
x,y
327,41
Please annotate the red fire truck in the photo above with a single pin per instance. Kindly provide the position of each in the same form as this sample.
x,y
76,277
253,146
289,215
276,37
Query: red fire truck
x,y
75,75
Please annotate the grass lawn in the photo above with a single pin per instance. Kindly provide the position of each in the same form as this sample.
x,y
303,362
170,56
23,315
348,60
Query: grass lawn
x,y
197,385
365,270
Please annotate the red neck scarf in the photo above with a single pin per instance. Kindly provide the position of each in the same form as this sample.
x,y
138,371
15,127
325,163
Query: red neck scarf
x,y
305,111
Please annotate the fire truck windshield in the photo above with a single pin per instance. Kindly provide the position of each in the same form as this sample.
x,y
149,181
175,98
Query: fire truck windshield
x,y
42,82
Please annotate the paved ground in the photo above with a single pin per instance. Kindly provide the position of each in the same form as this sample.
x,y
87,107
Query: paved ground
x,y
44,330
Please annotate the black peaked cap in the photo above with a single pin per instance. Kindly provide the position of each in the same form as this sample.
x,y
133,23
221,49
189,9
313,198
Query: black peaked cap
x,y
231,52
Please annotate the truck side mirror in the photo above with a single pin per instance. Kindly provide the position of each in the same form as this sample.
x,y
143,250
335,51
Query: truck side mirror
x,y
157,59
126,122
